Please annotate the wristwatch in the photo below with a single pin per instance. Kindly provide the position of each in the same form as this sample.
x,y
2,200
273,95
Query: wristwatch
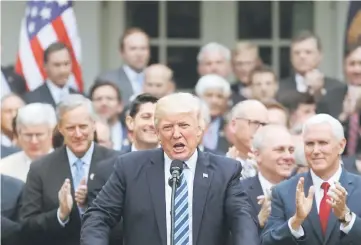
x,y
347,218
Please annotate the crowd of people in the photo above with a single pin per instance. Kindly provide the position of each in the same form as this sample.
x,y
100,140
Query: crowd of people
x,y
268,160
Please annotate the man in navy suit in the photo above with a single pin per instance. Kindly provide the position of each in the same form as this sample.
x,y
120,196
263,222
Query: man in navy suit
x,y
321,206
138,189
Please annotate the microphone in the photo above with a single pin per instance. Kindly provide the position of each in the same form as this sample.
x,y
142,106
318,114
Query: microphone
x,y
176,168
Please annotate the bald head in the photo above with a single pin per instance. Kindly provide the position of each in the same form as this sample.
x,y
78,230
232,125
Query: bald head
x,y
250,109
269,133
158,80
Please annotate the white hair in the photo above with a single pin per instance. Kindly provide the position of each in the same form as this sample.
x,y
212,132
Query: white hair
x,y
214,47
336,126
212,81
261,135
36,114
300,157
176,103
73,101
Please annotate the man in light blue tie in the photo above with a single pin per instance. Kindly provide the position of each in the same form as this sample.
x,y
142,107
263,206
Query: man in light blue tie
x,y
209,203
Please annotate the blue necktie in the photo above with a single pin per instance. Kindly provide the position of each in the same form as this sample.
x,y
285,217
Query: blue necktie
x,y
79,173
181,227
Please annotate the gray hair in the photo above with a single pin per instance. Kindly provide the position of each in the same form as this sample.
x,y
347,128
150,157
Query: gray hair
x,y
36,114
261,135
214,47
177,103
212,81
300,157
73,101
336,126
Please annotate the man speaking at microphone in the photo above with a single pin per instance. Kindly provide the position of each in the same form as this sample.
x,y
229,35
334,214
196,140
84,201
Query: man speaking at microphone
x,y
209,201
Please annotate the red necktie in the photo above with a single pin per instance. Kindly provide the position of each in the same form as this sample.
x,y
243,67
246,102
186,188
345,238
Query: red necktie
x,y
325,208
353,134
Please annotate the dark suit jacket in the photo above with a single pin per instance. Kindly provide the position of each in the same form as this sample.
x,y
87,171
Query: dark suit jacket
x,y
349,163
254,189
283,208
290,84
236,96
16,83
42,95
136,192
40,198
332,102
6,151
223,144
11,189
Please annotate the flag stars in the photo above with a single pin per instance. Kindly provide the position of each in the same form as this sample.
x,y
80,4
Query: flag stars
x,y
31,27
34,12
62,2
45,13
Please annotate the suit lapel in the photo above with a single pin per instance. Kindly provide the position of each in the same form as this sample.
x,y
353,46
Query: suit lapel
x,y
256,190
127,87
155,178
313,217
44,90
97,156
202,181
346,182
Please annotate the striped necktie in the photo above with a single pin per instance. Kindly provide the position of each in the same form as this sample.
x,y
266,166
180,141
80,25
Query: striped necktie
x,y
181,227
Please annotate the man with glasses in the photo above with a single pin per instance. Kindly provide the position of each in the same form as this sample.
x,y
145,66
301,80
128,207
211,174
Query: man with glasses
x,y
34,126
246,117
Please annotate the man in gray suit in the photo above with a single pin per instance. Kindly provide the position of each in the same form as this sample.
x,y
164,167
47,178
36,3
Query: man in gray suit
x,y
135,50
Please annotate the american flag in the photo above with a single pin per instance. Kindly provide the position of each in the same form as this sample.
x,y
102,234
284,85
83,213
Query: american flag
x,y
46,22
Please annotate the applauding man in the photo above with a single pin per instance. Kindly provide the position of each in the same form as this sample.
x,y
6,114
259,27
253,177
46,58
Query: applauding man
x,y
321,206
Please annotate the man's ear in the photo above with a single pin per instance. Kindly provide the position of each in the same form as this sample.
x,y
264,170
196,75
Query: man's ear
x,y
130,123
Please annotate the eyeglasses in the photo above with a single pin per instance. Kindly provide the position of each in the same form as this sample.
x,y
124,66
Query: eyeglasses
x,y
254,123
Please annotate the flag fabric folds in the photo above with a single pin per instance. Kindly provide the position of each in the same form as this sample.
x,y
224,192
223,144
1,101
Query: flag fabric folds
x,y
46,22
353,26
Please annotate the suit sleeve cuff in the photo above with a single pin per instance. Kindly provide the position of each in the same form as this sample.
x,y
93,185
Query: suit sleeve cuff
x,y
346,229
62,223
296,233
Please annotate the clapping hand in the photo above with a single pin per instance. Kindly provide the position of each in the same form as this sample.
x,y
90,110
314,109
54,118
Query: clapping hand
x,y
315,81
265,211
65,200
81,193
338,196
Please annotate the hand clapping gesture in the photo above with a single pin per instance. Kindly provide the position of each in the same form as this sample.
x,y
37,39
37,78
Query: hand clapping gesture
x,y
338,196
65,200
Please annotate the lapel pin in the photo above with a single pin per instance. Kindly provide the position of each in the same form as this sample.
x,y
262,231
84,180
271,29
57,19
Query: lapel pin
x,y
205,175
91,176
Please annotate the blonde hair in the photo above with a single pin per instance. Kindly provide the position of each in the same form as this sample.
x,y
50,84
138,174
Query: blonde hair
x,y
245,46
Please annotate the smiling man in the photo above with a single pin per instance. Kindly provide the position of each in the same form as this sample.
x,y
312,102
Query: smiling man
x,y
213,200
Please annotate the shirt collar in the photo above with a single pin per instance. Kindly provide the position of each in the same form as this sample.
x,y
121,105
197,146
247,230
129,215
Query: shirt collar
x,y
317,181
191,162
265,184
133,148
86,159
132,74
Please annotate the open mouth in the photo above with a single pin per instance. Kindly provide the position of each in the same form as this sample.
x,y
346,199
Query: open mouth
x,y
178,147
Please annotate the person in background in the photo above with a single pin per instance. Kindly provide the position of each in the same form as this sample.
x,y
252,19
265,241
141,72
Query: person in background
x,y
273,151
158,80
300,159
34,126
245,58
263,83
58,68
306,56
215,91
10,104
108,105
102,134
134,49
214,58
55,192
247,117
321,206
11,189
277,113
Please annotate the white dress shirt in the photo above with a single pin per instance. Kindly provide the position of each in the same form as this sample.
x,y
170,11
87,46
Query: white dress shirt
x,y
56,92
189,174
265,184
116,132
133,77
301,84
5,89
86,159
317,182
5,141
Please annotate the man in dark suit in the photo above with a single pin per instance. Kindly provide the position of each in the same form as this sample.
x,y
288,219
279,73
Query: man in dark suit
x,y
138,190
135,50
11,82
55,193
11,189
352,164
58,67
306,55
273,149
322,205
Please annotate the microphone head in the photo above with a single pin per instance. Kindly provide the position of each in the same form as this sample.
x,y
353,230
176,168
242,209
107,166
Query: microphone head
x,y
176,165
